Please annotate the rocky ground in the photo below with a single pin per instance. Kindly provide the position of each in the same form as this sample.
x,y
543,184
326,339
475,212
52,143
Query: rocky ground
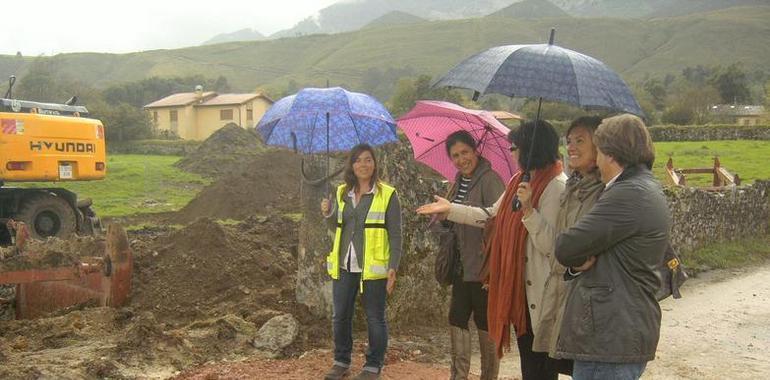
x,y
720,329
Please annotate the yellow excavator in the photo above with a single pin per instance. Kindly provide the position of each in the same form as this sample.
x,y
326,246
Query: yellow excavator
x,y
48,142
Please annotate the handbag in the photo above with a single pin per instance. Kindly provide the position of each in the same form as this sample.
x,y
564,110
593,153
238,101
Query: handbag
x,y
672,275
447,263
447,256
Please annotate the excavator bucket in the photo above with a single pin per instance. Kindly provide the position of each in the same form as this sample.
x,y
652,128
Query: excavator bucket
x,y
97,281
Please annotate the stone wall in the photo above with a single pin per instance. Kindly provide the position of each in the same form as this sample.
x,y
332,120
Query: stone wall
x,y
703,217
709,132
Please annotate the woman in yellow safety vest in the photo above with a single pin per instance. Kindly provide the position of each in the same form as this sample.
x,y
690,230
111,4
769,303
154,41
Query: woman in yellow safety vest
x,y
364,259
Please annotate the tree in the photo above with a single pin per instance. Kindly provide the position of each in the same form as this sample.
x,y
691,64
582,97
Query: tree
x,y
767,95
123,121
151,89
41,83
732,84
408,91
657,92
490,103
697,75
689,104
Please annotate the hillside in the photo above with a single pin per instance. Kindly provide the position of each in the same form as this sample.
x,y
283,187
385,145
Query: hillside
x,y
686,7
394,18
634,48
347,16
531,9
240,35
647,8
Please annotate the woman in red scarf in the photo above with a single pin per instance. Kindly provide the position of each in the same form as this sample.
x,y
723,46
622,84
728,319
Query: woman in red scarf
x,y
518,270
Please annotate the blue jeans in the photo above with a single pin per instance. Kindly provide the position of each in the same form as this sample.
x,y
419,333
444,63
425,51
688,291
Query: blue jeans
x,y
584,370
344,291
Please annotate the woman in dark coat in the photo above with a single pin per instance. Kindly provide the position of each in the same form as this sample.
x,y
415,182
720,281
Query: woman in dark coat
x,y
611,322
476,184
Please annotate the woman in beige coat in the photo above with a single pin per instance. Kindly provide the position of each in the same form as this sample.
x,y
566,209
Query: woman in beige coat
x,y
538,263
582,189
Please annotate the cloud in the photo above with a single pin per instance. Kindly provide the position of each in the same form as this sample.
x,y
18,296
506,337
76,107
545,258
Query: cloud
x,y
127,26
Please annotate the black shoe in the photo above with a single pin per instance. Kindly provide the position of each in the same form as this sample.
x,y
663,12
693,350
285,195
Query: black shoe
x,y
366,375
336,373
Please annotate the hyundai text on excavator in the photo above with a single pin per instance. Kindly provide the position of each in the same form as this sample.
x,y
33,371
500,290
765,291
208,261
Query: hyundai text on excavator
x,y
47,142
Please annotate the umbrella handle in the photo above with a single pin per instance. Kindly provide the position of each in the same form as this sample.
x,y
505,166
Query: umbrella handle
x,y
317,181
516,205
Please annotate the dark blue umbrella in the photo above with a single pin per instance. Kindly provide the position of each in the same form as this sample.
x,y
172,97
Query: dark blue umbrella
x,y
316,120
543,71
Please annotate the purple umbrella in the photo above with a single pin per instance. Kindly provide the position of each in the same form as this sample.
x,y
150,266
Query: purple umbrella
x,y
429,123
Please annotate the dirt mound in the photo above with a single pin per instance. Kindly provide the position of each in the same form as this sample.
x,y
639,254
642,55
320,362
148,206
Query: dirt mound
x,y
50,253
208,269
199,294
223,152
268,181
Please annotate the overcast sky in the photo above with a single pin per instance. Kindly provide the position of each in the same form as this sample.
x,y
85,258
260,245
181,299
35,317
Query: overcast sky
x,y
62,26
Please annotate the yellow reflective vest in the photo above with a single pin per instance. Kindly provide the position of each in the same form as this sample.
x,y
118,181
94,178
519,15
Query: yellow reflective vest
x,y
376,243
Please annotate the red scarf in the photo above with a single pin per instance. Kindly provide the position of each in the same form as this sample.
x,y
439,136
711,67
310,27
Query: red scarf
x,y
507,296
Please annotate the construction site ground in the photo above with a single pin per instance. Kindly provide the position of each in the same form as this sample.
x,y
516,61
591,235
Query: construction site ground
x,y
207,278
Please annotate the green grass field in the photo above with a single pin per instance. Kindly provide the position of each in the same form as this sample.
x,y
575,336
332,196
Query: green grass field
x,y
728,254
136,184
747,158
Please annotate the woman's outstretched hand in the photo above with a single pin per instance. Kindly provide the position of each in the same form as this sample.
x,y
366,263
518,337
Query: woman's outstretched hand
x,y
440,206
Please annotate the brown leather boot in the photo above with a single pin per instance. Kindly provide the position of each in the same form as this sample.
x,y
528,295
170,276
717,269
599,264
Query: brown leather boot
x,y
461,353
490,363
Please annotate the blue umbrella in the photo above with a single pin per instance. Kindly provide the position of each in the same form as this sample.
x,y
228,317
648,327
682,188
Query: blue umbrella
x,y
544,71
316,120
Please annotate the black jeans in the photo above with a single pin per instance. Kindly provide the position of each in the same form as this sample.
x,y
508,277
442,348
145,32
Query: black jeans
x,y
468,298
344,291
538,365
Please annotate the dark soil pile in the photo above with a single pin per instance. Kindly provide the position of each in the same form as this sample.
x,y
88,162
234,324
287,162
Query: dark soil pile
x,y
223,152
270,181
207,269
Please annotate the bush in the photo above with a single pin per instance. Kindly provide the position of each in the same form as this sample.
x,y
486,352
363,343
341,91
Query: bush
x,y
154,147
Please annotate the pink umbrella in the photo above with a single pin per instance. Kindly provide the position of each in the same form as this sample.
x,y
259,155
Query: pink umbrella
x,y
429,123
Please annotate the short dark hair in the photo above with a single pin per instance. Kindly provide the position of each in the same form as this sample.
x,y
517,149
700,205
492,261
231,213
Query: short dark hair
x,y
625,138
460,136
351,182
588,122
545,150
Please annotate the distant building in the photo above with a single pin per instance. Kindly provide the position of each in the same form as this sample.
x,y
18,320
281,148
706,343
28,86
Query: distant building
x,y
196,115
738,114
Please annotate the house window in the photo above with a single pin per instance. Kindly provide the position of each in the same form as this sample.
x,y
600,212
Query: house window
x,y
226,114
173,116
249,114
155,116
